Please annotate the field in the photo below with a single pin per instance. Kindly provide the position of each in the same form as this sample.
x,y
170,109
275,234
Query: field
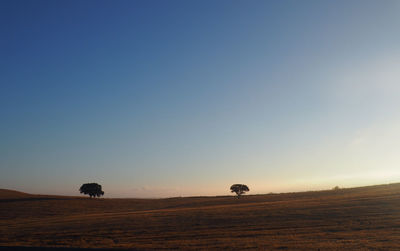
x,y
366,218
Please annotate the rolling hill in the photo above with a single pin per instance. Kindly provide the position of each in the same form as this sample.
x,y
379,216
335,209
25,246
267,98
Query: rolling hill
x,y
365,218
12,194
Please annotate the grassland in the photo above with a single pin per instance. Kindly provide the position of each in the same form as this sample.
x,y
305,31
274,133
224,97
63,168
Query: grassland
x,y
366,218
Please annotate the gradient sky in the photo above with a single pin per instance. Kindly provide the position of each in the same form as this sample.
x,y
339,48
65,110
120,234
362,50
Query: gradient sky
x,y
178,98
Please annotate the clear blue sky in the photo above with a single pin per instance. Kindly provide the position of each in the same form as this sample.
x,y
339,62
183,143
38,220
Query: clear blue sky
x,y
169,98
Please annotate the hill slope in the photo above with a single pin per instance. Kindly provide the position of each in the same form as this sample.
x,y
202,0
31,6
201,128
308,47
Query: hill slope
x,y
12,194
366,218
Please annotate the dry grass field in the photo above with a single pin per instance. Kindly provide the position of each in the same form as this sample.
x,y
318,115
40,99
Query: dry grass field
x,y
366,218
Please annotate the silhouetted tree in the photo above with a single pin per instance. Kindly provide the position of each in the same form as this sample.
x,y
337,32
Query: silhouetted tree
x,y
239,189
93,189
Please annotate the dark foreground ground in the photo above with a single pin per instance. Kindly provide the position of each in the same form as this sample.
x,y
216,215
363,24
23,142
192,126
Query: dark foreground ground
x,y
15,248
365,218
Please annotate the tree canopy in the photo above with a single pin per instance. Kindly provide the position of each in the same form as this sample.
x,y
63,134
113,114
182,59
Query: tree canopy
x,y
239,189
92,189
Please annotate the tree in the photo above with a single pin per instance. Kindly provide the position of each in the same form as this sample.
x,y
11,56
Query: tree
x,y
239,189
93,189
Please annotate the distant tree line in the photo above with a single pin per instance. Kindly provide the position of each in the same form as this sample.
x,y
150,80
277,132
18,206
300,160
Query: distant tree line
x,y
95,190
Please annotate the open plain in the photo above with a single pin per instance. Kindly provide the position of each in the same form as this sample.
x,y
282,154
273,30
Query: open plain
x,y
366,218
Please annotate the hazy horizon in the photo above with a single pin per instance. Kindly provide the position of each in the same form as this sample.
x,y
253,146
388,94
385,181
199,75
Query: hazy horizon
x,y
185,98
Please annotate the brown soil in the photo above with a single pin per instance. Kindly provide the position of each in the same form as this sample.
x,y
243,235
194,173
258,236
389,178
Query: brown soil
x,y
366,218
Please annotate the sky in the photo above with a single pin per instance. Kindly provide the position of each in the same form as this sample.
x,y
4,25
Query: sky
x,y
185,98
